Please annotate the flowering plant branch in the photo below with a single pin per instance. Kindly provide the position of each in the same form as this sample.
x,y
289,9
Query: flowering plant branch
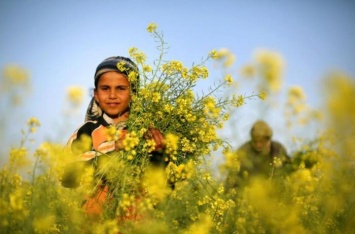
x,y
166,101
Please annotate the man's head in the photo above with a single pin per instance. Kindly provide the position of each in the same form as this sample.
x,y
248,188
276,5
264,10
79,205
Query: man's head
x,y
261,135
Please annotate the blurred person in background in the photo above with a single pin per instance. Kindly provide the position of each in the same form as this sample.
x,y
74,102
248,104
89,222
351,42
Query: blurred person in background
x,y
261,156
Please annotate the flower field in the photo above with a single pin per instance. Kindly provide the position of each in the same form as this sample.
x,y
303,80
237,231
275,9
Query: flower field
x,y
315,193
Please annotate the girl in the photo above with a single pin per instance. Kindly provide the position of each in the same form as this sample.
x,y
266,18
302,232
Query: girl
x,y
109,107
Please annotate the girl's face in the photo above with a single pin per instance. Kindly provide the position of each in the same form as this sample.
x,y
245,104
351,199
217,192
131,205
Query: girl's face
x,y
113,95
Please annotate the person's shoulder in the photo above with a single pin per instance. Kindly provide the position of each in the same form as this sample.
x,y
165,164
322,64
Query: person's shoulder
x,y
244,146
88,127
279,148
278,144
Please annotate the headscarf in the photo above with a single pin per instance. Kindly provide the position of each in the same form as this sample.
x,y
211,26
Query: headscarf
x,y
115,63
261,129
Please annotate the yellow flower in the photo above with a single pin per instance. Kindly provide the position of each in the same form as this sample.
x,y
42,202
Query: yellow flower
x,y
44,224
171,142
232,162
296,92
132,77
16,200
210,106
227,57
15,75
197,72
226,117
149,145
277,162
202,226
121,66
75,95
248,71
214,55
152,27
84,144
112,133
131,140
147,68
238,101
156,97
262,95
155,183
33,122
18,157
138,56
110,226
173,67
270,66
229,79
187,145
126,200
168,108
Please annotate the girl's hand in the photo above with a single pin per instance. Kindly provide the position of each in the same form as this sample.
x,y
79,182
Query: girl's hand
x,y
158,138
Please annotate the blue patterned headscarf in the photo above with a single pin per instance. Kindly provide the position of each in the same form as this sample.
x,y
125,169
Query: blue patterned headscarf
x,y
110,64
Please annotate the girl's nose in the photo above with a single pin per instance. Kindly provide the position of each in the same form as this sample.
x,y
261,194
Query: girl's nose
x,y
112,94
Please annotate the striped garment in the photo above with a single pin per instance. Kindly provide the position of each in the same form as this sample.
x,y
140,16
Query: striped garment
x,y
97,131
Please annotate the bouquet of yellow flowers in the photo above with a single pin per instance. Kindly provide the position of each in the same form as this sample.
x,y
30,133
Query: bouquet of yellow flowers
x,y
166,100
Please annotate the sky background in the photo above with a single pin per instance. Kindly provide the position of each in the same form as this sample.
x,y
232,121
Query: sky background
x,y
61,42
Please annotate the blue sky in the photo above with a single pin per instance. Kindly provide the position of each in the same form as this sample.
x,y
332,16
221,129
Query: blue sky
x,y
61,43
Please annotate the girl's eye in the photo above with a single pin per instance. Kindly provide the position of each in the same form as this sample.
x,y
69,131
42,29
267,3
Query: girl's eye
x,y
122,88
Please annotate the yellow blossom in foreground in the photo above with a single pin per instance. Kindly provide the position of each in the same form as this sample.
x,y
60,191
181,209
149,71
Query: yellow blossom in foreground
x,y
107,227
232,162
16,200
202,226
84,144
155,183
45,224
340,100
112,133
